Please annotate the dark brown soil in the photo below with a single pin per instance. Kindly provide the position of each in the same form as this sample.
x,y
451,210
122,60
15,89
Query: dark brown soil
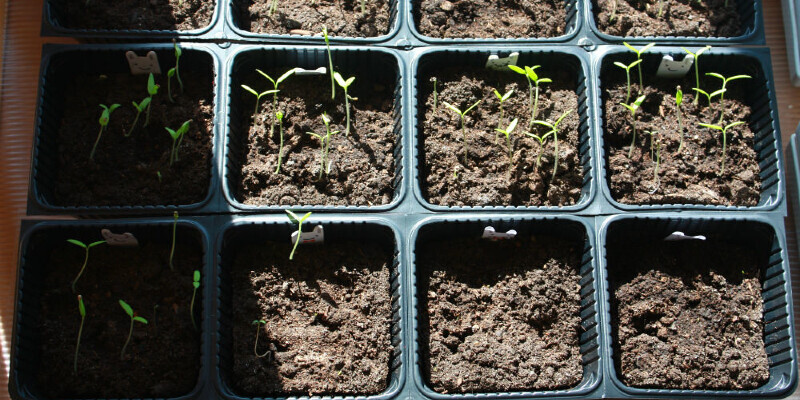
x,y
490,19
485,180
693,175
490,328
362,166
304,17
125,169
688,315
180,15
707,18
163,357
328,320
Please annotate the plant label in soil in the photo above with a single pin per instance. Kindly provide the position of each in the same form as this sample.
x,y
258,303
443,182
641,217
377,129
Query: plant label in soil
x,y
303,71
315,236
669,68
142,65
501,64
491,234
119,239
677,235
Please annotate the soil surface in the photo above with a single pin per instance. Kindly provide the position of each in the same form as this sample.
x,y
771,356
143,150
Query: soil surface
x,y
687,315
180,15
490,19
328,320
125,170
162,359
490,328
303,17
691,176
707,18
362,165
487,179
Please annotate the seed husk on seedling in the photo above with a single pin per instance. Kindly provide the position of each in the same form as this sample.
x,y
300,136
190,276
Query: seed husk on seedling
x,y
554,131
678,102
639,57
633,108
463,130
533,80
697,67
627,69
724,130
330,62
279,117
325,144
653,137
502,98
86,247
105,116
724,88
170,74
195,285
345,84
258,323
274,92
82,311
299,221
174,231
507,133
139,109
152,90
177,138
134,318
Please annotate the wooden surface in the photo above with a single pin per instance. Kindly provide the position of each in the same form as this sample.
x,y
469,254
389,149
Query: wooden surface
x,y
21,50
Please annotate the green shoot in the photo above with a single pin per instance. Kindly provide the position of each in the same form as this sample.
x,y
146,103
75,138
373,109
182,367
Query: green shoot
x,y
724,87
435,96
273,8
633,108
152,90
724,131
364,6
275,83
82,311
177,138
541,139
325,144
158,174
627,69
697,67
170,74
463,130
330,61
299,221
258,97
709,96
104,117
554,131
134,318
639,57
502,98
533,79
279,117
507,133
174,231
178,53
86,247
139,109
656,179
661,8
678,102
345,84
195,285
653,137
258,323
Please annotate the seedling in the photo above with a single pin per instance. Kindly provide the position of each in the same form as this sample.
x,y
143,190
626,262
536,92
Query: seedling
x,y
104,117
533,78
324,144
724,130
258,97
639,58
345,84
273,8
507,133
279,117
195,285
275,83
177,138
152,90
678,102
178,53
82,311
364,6
170,74
656,180
724,87
554,132
330,61
86,247
463,130
541,139
709,96
299,221
139,109
661,8
435,96
174,231
633,108
653,137
134,318
697,66
502,98
258,323
627,69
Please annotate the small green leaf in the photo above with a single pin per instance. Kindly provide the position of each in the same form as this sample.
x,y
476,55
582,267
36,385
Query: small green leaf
x,y
716,75
710,126
292,216
152,88
99,242
645,48
339,79
116,106
701,51
531,74
264,74
175,135
717,93
635,63
184,128
517,69
178,50
279,115
140,319
76,243
633,49
471,107
144,103
284,76
737,123
639,101
350,81
544,123
325,119
679,97
305,217
512,126
452,107
126,307
196,279
81,307
735,77
171,72
558,121
249,89
545,80
507,95
621,65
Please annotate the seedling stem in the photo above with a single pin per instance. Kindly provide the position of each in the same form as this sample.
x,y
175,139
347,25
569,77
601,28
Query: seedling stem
x,y
104,117
299,221
463,129
554,132
82,311
86,257
134,318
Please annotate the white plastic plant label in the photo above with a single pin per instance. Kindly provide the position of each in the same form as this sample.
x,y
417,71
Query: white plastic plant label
x,y
303,71
669,68
491,234
143,65
119,239
499,64
677,235
315,236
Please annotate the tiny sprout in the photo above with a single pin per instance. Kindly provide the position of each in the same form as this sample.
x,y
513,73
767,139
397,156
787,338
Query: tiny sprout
x,y
170,74
104,117
554,131
661,8
195,285
709,97
697,66
345,84
724,131
139,109
502,98
532,77
678,102
273,8
177,138
330,61
152,90
279,117
364,6
435,95
656,180
174,231
134,318
86,247
627,69
653,137
325,144
258,323
724,87
258,97
82,311
275,83
639,57
463,130
299,221
158,174
178,53
633,108
507,133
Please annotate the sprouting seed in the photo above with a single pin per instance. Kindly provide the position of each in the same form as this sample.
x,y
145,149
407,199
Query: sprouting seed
x,y
325,144
502,98
174,232
82,311
554,131
627,69
258,323
299,221
633,108
105,116
258,97
177,138
195,285
139,109
697,67
345,84
639,57
463,130
134,318
152,90
533,80
724,130
86,247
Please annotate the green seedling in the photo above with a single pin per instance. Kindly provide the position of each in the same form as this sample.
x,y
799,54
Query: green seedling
x,y
502,98
82,311
275,84
638,58
195,285
299,221
158,174
435,96
463,129
656,180
178,53
554,131
345,84
533,79
105,116
325,144
633,108
139,109
330,62
177,138
711,96
653,137
152,90
697,67
258,323
541,139
86,247
507,133
678,102
724,87
174,232
279,117
170,74
627,69
134,318
258,97
273,8
724,130
660,8
364,7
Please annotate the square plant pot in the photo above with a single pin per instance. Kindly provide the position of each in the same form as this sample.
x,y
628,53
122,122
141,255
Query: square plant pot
x,y
732,289
128,174
364,168
696,177
442,183
687,26
514,318
473,23
162,359
330,319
